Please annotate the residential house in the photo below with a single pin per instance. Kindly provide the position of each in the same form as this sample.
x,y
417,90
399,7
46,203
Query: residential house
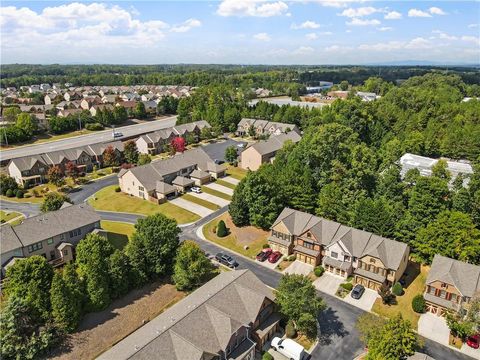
x,y
72,95
53,235
28,170
102,107
68,112
128,105
244,126
150,106
264,151
372,260
109,98
230,317
49,98
89,101
79,156
97,151
450,285
264,127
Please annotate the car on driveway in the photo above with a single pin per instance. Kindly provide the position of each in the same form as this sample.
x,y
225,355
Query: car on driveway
x,y
219,162
357,291
196,189
289,348
274,257
474,341
264,254
226,260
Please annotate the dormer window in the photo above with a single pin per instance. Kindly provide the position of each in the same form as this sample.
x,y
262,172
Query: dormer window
x,y
309,234
372,261
443,285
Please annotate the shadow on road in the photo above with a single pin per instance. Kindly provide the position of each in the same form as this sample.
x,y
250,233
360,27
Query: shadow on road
x,y
330,327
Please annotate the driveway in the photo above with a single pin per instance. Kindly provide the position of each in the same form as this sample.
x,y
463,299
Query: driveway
x,y
217,150
298,267
220,188
434,327
328,283
191,206
474,353
268,264
211,198
231,180
365,302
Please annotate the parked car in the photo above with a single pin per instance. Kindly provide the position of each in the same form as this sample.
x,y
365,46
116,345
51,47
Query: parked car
x,y
241,145
264,254
274,257
117,134
474,341
196,189
219,162
289,348
357,291
226,260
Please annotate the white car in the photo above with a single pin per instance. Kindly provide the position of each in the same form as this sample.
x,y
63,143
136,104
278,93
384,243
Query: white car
x,y
289,348
241,145
196,190
117,134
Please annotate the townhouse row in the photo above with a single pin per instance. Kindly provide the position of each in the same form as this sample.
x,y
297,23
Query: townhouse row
x,y
264,127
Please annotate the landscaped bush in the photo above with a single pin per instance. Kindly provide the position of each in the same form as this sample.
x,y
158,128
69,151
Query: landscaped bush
x,y
397,289
265,246
117,189
27,195
94,127
319,270
19,194
10,193
267,356
347,286
290,331
292,258
222,229
418,304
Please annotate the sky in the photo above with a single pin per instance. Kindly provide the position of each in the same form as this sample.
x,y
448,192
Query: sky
x,y
240,32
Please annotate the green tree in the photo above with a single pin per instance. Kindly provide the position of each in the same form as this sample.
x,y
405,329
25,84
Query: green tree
x,y
375,215
120,114
110,157
56,175
238,207
222,229
344,85
140,111
231,154
53,201
10,113
144,159
7,183
120,273
191,267
368,325
27,123
130,152
440,170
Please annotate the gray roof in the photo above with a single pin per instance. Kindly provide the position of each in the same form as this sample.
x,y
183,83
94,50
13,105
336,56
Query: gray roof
x,y
27,162
275,143
202,323
182,181
370,275
358,242
464,276
420,356
164,188
199,174
45,226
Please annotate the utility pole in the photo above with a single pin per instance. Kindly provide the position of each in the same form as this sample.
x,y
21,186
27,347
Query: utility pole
x,y
5,133
79,122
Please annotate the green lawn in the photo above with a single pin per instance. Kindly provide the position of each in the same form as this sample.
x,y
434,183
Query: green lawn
x,y
216,193
4,216
118,233
226,184
109,200
417,275
200,202
236,172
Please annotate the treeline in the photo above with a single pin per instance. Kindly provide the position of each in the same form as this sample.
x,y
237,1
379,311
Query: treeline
x,y
43,304
345,169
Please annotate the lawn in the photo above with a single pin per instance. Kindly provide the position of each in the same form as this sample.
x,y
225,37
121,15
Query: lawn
x,y
238,238
7,216
200,202
40,191
236,172
118,233
109,200
43,138
216,193
415,279
226,184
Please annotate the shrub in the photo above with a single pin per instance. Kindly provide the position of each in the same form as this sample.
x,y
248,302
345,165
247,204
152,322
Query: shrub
x,y
347,286
290,331
397,289
292,258
319,270
27,195
221,229
35,193
19,194
94,127
267,356
10,193
117,189
418,304
265,246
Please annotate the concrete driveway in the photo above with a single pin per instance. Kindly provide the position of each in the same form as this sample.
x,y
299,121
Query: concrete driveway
x,y
231,180
191,206
268,264
328,283
220,188
474,353
434,327
365,302
211,198
298,267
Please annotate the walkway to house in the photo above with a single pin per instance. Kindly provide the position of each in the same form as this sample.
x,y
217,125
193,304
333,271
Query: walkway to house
x,y
220,188
328,283
299,267
434,327
231,180
211,198
191,206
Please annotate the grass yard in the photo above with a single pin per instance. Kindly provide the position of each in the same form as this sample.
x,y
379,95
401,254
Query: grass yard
x,y
7,216
118,233
37,193
415,279
109,200
43,138
236,172
200,202
238,237
226,184
216,193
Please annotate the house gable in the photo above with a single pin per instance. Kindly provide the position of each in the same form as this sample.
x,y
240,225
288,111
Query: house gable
x,y
371,260
280,227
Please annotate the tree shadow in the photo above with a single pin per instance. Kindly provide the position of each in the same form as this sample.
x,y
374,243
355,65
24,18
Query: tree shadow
x,y
330,326
410,274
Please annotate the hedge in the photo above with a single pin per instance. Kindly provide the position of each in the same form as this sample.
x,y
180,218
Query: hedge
x,y
347,286
319,270
418,304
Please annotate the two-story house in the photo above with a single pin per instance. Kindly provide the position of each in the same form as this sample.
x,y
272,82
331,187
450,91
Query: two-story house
x,y
28,170
450,285
230,317
53,235
264,127
342,250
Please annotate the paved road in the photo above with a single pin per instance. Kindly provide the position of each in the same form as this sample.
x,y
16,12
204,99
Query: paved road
x,y
97,137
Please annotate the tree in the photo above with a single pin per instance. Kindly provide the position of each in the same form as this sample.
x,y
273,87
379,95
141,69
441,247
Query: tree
x,y
440,170
72,170
231,154
458,325
452,234
397,289
418,304
206,133
473,315
140,111
120,273
93,253
110,157
178,144
153,246
395,340
130,152
120,114
27,123
298,301
222,229
53,201
144,159
7,183
386,295
10,113
375,215
191,267
30,279
344,85
368,325
238,208
55,175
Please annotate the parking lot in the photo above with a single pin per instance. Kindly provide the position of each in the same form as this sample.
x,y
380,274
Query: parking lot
x,y
217,150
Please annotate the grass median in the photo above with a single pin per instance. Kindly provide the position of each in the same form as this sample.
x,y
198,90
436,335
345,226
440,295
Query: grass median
x,y
216,193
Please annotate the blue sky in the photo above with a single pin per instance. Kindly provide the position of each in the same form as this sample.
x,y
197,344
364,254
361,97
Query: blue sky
x,y
240,31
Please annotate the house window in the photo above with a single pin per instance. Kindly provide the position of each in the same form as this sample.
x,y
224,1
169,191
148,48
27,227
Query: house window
x,y
346,258
52,254
50,241
372,261
309,235
141,188
334,255
62,236
308,245
443,294
35,247
75,232
65,252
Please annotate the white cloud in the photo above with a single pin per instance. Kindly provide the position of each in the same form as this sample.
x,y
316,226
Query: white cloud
x,y
328,33
363,22
472,26
385,28
444,36
418,43
262,37
338,49
311,36
359,12
303,50
472,39
186,25
418,13
258,8
338,3
436,11
414,44
306,25
393,15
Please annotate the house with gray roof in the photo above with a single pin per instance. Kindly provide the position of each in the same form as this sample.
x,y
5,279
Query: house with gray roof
x,y
28,170
52,235
450,285
230,317
264,127
372,259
